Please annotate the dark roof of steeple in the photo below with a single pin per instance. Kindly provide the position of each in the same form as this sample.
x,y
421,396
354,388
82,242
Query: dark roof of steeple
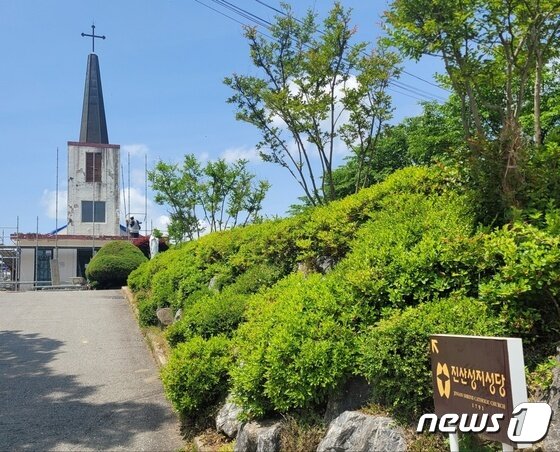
x,y
94,125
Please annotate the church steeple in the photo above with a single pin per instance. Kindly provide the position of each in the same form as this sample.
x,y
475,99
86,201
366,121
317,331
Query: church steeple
x,y
94,125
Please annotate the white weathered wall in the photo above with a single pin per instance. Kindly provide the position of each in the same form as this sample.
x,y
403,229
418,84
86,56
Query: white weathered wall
x,y
27,268
107,190
67,264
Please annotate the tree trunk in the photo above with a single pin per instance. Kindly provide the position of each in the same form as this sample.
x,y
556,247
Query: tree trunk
x,y
537,98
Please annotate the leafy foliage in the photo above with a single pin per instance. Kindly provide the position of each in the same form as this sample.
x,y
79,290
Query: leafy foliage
x,y
112,264
309,79
196,376
394,354
296,345
408,262
209,316
218,194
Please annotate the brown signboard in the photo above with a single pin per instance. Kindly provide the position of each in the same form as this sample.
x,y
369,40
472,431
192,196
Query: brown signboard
x,y
477,375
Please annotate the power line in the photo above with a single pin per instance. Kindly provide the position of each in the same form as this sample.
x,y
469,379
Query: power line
x,y
220,12
266,24
418,91
404,72
244,13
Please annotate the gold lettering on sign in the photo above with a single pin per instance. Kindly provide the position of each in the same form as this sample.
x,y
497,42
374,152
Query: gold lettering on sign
x,y
496,382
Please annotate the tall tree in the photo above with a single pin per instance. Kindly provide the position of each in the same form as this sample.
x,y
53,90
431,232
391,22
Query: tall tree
x,y
489,49
218,195
317,90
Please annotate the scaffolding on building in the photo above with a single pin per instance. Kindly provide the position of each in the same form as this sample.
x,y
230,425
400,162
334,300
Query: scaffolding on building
x,y
10,257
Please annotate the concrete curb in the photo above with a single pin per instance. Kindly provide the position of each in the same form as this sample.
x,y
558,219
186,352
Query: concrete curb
x,y
154,340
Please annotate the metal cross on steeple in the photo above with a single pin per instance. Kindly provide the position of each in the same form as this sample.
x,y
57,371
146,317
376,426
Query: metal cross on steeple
x,y
93,36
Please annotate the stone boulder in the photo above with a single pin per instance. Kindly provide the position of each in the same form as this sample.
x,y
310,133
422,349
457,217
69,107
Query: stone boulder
x,y
262,436
324,264
226,420
165,316
353,431
213,284
353,394
178,315
552,439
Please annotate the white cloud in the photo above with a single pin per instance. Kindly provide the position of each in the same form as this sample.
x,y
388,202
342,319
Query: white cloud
x,y
137,178
203,157
137,203
162,222
48,202
231,155
135,150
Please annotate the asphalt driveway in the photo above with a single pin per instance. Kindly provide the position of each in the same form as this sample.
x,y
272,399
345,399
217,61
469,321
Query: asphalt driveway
x,y
76,374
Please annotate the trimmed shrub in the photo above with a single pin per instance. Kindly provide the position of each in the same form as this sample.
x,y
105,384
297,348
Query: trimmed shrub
x,y
296,345
112,264
415,249
209,316
255,278
147,308
394,354
523,285
196,376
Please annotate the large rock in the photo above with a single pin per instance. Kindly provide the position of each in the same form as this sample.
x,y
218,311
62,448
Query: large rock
x,y
552,439
213,284
226,420
263,436
354,394
324,264
353,431
165,316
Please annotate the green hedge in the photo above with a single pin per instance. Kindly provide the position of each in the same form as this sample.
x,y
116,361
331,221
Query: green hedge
x,y
112,264
409,262
296,345
394,354
172,277
210,316
196,376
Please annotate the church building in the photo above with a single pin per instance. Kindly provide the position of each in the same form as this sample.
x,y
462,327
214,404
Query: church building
x,y
60,258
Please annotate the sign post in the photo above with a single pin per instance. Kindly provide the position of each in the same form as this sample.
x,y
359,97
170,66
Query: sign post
x,y
477,375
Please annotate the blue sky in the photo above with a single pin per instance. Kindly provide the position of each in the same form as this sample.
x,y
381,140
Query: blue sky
x,y
162,67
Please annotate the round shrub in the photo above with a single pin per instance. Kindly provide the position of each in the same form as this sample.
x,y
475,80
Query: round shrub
x,y
394,355
209,316
112,264
147,308
297,344
196,376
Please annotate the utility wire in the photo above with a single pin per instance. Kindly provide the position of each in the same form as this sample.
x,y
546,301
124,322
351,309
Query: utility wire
x,y
404,72
266,24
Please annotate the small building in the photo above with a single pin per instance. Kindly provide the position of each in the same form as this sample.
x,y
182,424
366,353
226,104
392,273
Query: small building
x,y
61,257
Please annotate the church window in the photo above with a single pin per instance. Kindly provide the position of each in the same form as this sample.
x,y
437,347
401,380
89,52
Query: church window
x,y
93,166
90,215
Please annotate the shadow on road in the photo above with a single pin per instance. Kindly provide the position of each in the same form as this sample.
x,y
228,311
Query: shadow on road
x,y
41,410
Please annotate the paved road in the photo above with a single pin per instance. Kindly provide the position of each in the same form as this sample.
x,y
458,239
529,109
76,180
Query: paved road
x,y
75,374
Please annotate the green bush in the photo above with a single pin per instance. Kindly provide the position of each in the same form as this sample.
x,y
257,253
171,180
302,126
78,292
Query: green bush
x,y
196,376
112,264
415,249
409,263
394,354
209,316
296,345
523,284
147,308
256,277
